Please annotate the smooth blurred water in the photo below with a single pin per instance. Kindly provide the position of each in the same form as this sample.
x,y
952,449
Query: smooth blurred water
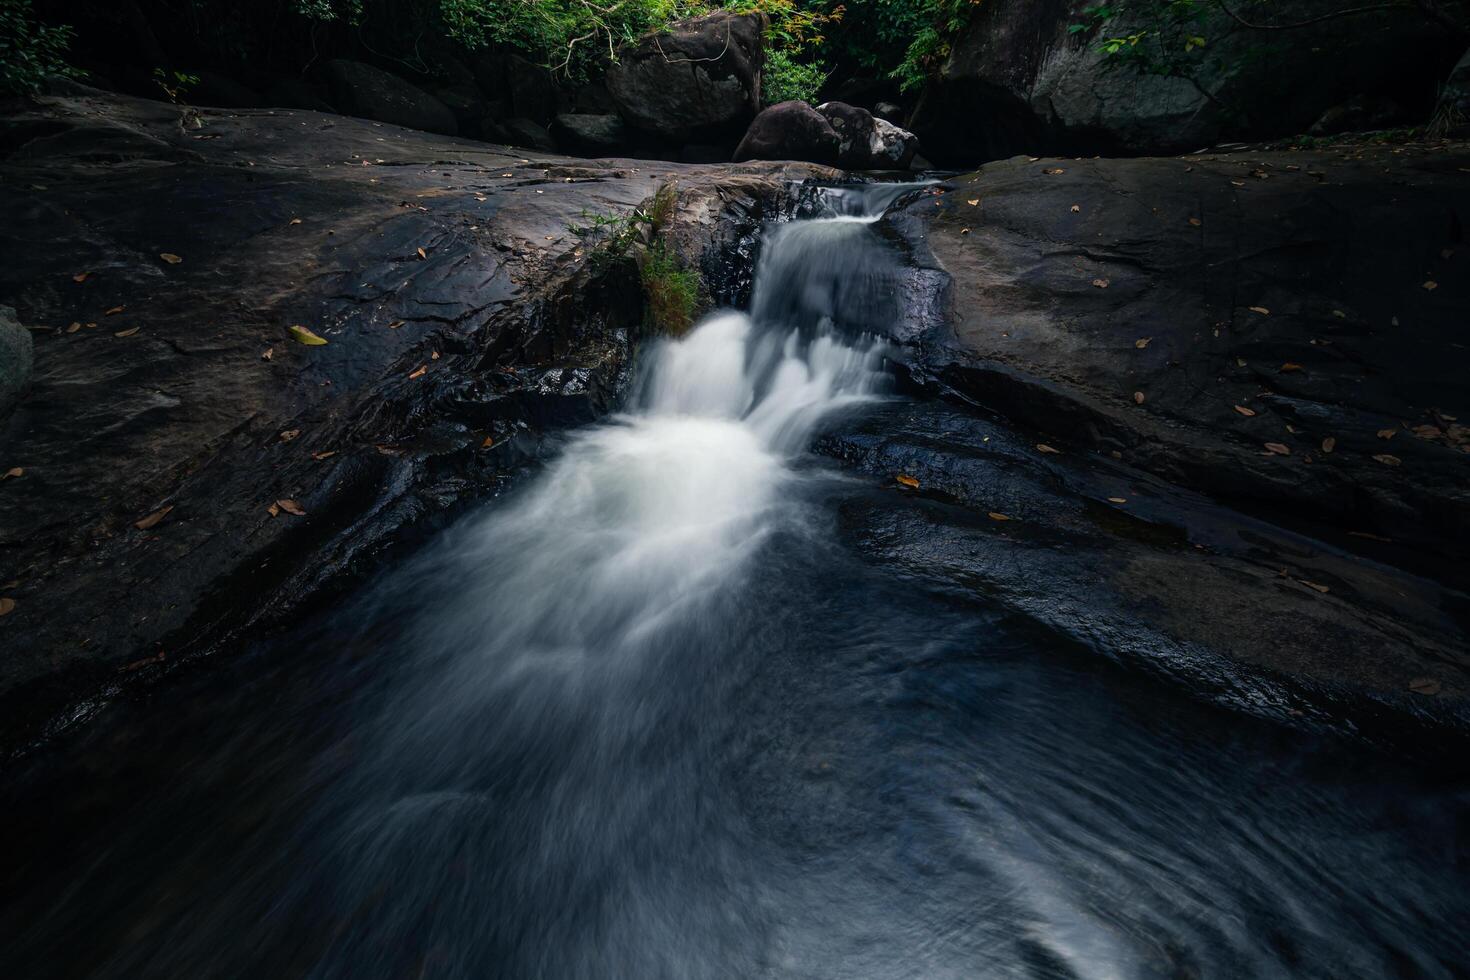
x,y
656,716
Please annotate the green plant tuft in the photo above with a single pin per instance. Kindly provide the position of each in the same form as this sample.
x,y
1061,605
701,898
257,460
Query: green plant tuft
x,y
672,292
30,50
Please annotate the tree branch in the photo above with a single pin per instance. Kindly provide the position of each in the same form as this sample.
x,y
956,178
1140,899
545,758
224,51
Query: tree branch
x,y
1311,20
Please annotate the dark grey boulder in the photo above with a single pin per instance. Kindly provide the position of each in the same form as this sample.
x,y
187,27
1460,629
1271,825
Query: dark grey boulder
x,y
523,132
15,360
698,80
1452,114
790,131
293,93
371,93
214,89
1364,113
590,135
867,142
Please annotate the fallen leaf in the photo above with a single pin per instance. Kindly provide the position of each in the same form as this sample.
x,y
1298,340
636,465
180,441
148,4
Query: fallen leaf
x,y
1101,283
291,507
273,510
114,311
304,336
1053,171
1261,310
153,518
418,372
1240,362
170,258
907,481
1142,342
1076,209
395,324
964,231
1329,444
489,441
128,332
294,221
1388,460
1427,686
1315,585
422,253
15,472
1195,221
998,517
74,327
1117,500
290,434
269,353
1138,398
7,605
81,277
1278,449
324,454
1043,447
972,202
434,356
1288,367
1248,413
1371,537
1387,433
1431,284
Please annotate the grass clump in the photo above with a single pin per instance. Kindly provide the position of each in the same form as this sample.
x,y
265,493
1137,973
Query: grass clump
x,y
671,291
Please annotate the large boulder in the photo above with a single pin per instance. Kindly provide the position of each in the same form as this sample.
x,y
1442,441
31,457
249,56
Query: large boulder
x,y
1020,80
522,132
15,360
701,79
1452,115
591,135
371,93
789,131
867,142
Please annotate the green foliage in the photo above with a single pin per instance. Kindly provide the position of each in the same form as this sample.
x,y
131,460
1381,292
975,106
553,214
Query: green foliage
x,y
30,50
927,28
1169,40
784,79
175,84
672,292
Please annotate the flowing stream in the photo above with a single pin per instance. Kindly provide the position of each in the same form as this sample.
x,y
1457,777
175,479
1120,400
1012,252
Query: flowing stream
x,y
654,716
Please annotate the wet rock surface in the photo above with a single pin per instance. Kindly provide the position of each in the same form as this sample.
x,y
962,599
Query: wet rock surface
x,y
174,427
1234,388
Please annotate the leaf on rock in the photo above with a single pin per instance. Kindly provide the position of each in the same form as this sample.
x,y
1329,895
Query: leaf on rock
x,y
1053,171
114,311
1138,398
422,253
1076,209
290,434
1387,433
170,258
15,472
418,372
81,277
1142,342
153,518
973,202
1043,447
994,516
1426,686
324,454
294,221
291,507
1261,310
7,605
907,481
1278,449
1315,585
1244,411
1101,283
1388,460
1196,222
1431,285
1117,500
1329,444
304,336
395,324
269,353
74,327
128,332
1289,367
489,441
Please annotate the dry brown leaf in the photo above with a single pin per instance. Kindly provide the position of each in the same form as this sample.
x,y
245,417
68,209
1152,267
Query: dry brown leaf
x,y
1261,310
418,372
7,605
964,231
1101,283
1043,447
1329,444
907,481
994,516
324,454
395,324
422,253
1427,686
1138,398
14,473
1053,171
294,221
489,441
1315,585
290,434
1244,411
1117,500
1240,362
1387,433
273,510
153,518
269,353
114,311
1142,342
74,327
1195,221
1431,284
128,332
81,277
434,356
972,202
1076,209
1388,460
291,507
1278,449
1289,367
170,258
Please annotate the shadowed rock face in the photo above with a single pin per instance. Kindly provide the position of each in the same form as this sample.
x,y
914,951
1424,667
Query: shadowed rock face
x,y
699,81
462,320
789,131
370,93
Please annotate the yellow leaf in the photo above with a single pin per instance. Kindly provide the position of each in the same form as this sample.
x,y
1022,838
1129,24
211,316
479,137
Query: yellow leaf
x,y
304,336
907,481
170,258
1278,449
1244,411
128,332
153,518
1329,444
290,507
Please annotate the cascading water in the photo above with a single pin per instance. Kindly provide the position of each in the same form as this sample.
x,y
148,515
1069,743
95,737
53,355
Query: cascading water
x,y
660,716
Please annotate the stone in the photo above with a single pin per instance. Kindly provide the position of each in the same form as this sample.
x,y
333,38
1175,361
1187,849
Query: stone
x,y
590,135
790,131
519,131
700,79
371,93
867,142
16,354
1367,112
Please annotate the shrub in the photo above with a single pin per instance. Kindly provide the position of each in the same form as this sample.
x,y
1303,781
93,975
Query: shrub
x,y
672,292
30,50
784,79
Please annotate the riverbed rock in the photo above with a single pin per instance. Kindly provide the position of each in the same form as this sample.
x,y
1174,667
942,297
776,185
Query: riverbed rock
x,y
371,93
867,142
789,131
589,134
1019,79
520,131
16,351
697,81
